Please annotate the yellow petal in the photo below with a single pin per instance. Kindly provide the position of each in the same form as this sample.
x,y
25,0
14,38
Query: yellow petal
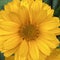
x,y
12,42
29,1
42,56
9,52
12,17
12,6
16,1
16,55
29,57
55,55
48,9
43,47
3,38
23,15
22,51
56,31
33,51
8,26
51,44
3,32
48,25
26,3
36,13
50,39
9,58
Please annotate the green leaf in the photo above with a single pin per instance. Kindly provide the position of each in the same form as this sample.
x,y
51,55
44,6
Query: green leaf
x,y
2,56
55,3
59,40
58,46
3,2
57,12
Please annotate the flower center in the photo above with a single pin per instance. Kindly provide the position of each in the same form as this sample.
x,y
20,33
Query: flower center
x,y
29,32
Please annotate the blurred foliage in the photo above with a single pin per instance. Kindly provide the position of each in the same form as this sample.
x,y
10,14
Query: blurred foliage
x,y
57,12
1,56
3,2
55,4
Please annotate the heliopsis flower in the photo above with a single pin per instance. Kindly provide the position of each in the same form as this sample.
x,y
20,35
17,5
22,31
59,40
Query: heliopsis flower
x,y
9,58
28,29
55,55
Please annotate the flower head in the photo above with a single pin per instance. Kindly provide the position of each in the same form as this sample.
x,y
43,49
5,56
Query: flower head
x,y
55,55
28,29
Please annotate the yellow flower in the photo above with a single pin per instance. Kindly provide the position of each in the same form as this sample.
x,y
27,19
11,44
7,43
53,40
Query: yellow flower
x,y
55,55
10,58
28,30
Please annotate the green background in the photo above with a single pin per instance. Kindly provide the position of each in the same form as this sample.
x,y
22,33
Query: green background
x,y
55,4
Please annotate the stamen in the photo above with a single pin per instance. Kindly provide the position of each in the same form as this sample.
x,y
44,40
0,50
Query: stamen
x,y
29,32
